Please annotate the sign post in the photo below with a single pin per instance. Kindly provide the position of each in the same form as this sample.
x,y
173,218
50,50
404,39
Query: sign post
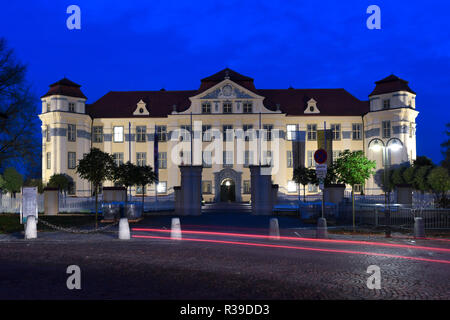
x,y
320,156
28,205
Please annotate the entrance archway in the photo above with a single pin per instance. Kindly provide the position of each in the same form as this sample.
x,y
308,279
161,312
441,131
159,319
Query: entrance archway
x,y
227,190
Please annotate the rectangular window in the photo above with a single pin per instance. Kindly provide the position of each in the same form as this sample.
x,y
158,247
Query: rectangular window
x,y
290,131
267,158
141,159
248,107
162,160
118,158
206,132
311,162
140,190
227,132
206,107
207,159
71,132
386,104
312,188
312,131
141,134
207,187
248,158
161,187
268,132
291,186
247,189
248,132
71,160
118,134
356,131
49,160
228,158
72,188
336,155
386,129
161,132
185,133
227,107
289,160
357,188
71,107
97,134
336,131
47,134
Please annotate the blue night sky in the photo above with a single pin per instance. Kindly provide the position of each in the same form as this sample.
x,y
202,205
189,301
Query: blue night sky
x,y
149,45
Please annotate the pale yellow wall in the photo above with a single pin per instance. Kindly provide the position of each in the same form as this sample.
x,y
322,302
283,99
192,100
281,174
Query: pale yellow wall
x,y
59,146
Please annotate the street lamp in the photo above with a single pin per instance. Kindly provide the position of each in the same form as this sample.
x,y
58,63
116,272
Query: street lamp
x,y
393,144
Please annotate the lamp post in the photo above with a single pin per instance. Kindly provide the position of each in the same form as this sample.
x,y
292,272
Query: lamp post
x,y
393,144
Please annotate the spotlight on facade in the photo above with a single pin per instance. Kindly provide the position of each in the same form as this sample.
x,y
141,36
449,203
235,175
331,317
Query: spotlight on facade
x,y
395,145
376,146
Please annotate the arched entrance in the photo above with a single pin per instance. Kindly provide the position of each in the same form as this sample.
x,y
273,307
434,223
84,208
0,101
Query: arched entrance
x,y
227,190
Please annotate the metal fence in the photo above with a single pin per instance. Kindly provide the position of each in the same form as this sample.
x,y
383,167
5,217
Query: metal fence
x,y
86,204
399,216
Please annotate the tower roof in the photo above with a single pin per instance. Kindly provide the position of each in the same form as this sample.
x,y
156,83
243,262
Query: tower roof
x,y
389,84
65,87
227,73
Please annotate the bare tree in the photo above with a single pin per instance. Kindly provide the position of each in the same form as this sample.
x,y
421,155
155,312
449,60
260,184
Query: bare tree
x,y
18,110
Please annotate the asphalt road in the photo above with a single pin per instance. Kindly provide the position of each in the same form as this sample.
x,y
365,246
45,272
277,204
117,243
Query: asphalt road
x,y
217,266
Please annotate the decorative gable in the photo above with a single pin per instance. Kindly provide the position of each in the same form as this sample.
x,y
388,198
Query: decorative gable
x,y
226,92
312,107
141,109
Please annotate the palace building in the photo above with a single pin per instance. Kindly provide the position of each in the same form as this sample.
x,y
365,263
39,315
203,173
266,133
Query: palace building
x,y
230,124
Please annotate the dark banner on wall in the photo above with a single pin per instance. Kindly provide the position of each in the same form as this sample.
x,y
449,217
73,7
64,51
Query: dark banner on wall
x,y
298,148
329,143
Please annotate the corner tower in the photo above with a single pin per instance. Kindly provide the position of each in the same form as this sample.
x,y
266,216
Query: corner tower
x,y
66,133
390,125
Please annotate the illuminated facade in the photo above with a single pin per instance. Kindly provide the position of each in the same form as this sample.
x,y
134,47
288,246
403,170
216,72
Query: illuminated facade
x,y
124,125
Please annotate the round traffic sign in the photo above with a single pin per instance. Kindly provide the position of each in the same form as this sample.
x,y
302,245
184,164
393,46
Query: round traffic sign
x,y
320,156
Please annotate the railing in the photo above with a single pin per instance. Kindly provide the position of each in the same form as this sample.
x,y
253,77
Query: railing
x,y
402,217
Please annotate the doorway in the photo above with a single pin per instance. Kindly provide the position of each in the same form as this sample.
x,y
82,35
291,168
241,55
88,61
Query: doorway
x,y
227,191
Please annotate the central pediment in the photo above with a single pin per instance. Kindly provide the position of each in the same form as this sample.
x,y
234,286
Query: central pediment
x,y
227,91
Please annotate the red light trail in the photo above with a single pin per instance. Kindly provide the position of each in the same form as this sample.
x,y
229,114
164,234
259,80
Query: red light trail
x,y
257,236
298,248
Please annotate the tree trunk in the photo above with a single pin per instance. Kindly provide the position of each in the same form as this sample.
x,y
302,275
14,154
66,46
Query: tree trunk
x,y
304,193
353,208
142,209
96,207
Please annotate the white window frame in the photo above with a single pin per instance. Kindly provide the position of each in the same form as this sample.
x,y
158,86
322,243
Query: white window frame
x,y
118,134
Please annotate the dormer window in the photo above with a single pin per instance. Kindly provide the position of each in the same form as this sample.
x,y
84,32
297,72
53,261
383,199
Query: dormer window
x,y
227,107
71,107
312,107
386,104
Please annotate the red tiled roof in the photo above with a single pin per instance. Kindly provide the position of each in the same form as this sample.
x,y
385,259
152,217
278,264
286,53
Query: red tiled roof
x,y
122,104
330,102
65,87
389,84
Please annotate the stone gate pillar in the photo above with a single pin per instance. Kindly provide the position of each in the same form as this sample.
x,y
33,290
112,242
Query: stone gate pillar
x,y
191,190
261,190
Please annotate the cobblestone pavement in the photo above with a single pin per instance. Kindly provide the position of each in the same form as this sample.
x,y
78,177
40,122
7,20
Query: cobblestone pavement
x,y
170,269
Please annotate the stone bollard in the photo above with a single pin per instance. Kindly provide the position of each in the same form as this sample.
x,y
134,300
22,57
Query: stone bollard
x,y
30,228
175,231
321,228
124,229
274,229
419,228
